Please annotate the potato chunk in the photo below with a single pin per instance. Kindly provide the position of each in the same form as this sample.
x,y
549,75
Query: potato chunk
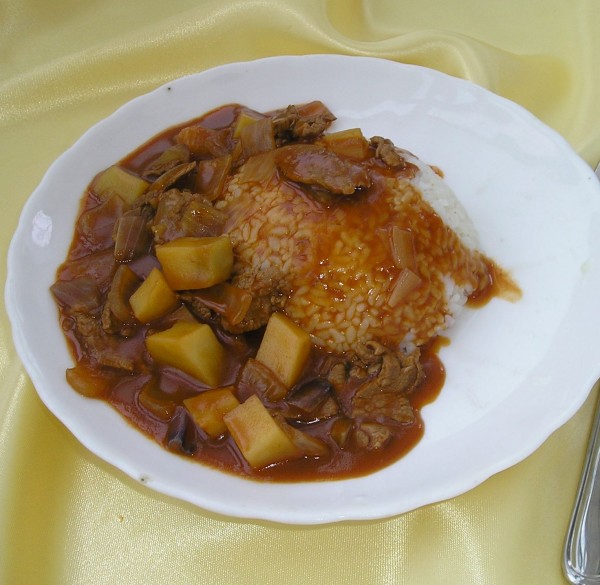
x,y
193,263
191,347
350,143
245,118
284,348
153,298
115,180
208,408
258,436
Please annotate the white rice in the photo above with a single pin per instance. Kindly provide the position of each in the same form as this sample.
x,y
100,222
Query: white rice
x,y
338,273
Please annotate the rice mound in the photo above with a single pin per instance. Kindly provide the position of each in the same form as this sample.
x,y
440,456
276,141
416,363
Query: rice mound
x,y
338,263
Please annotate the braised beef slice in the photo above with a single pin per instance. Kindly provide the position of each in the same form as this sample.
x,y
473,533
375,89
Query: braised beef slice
x,y
96,224
337,376
99,266
304,122
371,435
385,393
269,293
387,152
103,349
206,142
311,164
181,213
197,307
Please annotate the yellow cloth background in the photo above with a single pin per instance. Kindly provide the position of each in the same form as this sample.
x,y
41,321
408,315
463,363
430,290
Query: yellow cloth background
x,y
68,518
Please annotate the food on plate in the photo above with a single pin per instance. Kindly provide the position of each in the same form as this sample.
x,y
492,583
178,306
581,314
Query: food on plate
x,y
266,295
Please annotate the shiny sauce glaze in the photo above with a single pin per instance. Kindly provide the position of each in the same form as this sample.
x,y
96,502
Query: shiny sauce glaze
x,y
151,396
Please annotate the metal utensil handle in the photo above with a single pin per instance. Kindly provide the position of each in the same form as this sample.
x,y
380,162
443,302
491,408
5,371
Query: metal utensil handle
x,y
581,561
581,558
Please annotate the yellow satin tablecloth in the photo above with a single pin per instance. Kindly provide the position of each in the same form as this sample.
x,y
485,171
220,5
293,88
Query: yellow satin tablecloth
x,y
68,518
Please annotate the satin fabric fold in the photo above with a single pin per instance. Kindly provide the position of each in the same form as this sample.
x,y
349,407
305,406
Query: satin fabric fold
x,y
66,517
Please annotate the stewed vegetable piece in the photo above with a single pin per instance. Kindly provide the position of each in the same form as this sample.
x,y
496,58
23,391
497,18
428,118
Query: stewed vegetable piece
x,y
180,295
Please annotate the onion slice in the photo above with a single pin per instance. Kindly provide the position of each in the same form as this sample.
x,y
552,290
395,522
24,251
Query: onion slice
x,y
227,300
131,237
406,283
77,295
402,242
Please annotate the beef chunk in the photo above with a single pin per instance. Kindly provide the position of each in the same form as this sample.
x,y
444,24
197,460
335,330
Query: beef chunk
x,y
387,152
99,266
197,306
384,404
384,394
103,349
304,122
206,142
96,224
371,436
310,164
181,213
269,291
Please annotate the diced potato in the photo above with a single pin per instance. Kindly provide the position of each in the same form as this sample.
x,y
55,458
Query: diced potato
x,y
153,298
208,409
284,348
350,143
190,347
245,118
116,180
258,436
192,263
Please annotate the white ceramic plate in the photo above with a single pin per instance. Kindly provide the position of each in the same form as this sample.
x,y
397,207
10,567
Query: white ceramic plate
x,y
515,372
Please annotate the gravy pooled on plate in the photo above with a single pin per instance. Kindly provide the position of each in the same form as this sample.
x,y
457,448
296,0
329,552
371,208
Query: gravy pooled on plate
x,y
265,296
